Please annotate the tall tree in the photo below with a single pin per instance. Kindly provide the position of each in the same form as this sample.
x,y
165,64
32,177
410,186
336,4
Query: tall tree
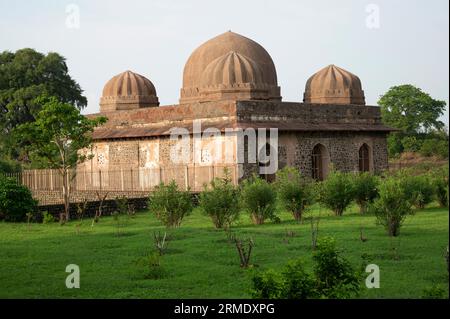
x,y
57,135
415,112
410,109
24,76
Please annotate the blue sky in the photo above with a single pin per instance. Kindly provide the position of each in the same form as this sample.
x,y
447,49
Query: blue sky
x,y
155,38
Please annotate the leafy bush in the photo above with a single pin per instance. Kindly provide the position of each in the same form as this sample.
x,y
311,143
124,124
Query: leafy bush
x,y
15,200
267,285
169,204
419,189
440,184
259,199
434,147
7,166
333,277
392,206
47,218
298,284
221,202
334,274
294,191
337,191
365,189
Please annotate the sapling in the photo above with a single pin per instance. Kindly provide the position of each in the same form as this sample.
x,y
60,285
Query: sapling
x,y
244,249
160,242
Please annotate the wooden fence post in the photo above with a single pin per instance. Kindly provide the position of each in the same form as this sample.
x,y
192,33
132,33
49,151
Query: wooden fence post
x,y
186,177
131,171
121,179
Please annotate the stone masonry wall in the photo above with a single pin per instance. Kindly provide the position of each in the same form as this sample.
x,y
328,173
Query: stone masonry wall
x,y
295,149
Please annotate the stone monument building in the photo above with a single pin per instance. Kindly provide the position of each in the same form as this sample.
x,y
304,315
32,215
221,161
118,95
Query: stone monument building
x,y
230,86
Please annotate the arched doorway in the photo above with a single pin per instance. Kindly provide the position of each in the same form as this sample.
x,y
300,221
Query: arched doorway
x,y
364,158
320,161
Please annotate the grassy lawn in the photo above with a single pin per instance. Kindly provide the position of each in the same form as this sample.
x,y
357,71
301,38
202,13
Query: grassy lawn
x,y
200,263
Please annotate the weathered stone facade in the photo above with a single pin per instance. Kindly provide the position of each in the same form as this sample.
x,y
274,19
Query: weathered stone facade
x,y
229,87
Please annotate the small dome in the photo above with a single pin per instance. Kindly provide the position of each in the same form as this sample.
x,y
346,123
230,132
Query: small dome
x,y
236,51
334,85
126,91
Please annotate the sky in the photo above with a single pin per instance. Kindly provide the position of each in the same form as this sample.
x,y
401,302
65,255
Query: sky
x,y
384,42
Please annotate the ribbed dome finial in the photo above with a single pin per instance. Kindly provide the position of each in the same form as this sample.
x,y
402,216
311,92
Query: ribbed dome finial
x,y
126,91
334,85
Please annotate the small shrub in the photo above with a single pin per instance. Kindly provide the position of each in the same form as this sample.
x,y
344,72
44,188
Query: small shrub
x,y
169,204
434,147
297,283
418,189
259,199
294,191
267,285
9,166
47,218
15,200
392,206
440,184
332,277
335,276
365,189
337,191
221,202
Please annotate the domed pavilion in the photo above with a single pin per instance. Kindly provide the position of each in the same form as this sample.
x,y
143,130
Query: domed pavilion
x,y
229,97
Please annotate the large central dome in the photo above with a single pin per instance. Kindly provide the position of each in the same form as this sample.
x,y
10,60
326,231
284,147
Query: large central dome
x,y
238,56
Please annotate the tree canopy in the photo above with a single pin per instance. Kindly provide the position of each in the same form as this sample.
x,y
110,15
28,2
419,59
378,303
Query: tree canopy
x,y
58,133
25,75
408,108
416,114
56,136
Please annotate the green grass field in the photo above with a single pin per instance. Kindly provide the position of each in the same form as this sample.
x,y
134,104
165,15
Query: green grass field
x,y
200,263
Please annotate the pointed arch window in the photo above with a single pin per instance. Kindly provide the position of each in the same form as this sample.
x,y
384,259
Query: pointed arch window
x,y
319,158
364,158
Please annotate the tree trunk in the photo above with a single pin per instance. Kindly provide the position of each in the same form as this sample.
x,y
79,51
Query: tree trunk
x,y
297,216
66,195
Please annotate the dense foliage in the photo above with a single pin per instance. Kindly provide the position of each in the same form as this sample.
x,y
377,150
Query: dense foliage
x,y
418,189
258,198
365,189
333,277
170,204
337,191
439,179
25,75
16,200
58,137
295,191
220,202
392,206
416,114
